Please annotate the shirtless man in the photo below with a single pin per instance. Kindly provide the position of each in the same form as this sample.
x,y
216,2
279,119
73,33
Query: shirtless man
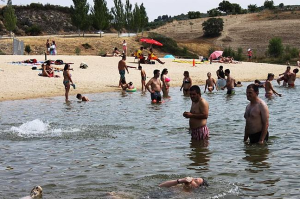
x,y
285,76
257,117
292,78
198,115
122,66
155,84
230,82
269,87
210,83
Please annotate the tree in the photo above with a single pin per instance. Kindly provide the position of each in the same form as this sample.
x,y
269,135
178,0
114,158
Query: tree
x,y
128,15
236,9
252,8
100,15
194,15
79,15
27,49
214,12
118,14
10,19
269,4
225,6
275,47
144,17
281,5
137,18
213,27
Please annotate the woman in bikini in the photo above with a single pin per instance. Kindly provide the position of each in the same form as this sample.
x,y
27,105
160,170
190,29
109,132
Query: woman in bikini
x,y
165,83
67,81
186,84
269,87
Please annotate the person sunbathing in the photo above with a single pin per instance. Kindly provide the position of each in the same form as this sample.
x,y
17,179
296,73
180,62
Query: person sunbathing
x,y
47,70
115,53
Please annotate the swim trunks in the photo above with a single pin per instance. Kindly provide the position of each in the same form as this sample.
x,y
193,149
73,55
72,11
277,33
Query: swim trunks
x,y
200,133
230,91
156,96
122,74
254,138
66,82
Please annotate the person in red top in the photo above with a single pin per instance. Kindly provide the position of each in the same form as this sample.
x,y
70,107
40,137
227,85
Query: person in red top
x,y
249,54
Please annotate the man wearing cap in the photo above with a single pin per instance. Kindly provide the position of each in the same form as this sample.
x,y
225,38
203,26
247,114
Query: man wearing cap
x,y
249,54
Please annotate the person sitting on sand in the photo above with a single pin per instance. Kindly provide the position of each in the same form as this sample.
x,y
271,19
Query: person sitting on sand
x,y
140,56
82,98
210,83
285,76
126,86
259,83
151,56
188,183
47,70
269,87
292,78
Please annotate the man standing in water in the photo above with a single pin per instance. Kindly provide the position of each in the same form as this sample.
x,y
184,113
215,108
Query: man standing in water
x,y
257,117
122,66
155,84
230,82
198,115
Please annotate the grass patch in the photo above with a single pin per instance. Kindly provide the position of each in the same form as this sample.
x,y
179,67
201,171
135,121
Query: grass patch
x,y
2,53
87,46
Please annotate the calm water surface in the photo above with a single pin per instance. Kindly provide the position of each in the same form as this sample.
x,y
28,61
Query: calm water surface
x,y
122,145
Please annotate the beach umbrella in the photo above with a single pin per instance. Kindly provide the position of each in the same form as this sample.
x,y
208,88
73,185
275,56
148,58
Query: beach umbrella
x,y
216,54
151,41
169,56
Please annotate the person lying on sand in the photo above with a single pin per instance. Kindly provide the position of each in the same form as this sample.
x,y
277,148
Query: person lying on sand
x,y
115,53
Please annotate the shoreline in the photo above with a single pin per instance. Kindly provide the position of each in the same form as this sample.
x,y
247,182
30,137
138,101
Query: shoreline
x,y
20,82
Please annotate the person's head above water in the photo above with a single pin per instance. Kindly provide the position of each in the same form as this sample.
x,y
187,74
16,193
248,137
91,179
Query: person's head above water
x,y
256,81
188,182
195,93
254,87
270,76
79,96
227,71
208,74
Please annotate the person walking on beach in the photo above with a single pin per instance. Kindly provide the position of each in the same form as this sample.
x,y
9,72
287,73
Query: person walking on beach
x,y
165,83
198,115
143,77
155,84
186,83
210,83
292,78
230,82
269,87
122,67
67,81
257,117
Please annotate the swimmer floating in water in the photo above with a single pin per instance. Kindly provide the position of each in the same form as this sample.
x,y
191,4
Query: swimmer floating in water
x,y
188,182
82,98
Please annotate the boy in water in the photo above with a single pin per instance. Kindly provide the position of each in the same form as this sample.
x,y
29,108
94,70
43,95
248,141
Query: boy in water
x,y
285,76
269,87
210,83
82,98
143,76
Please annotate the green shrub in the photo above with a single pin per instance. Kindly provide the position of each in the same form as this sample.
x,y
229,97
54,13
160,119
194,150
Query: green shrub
x,y
275,48
2,53
213,27
34,30
239,56
228,52
77,51
86,46
211,50
27,49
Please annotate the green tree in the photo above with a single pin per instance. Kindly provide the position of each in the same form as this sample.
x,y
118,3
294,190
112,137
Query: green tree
x,y
252,8
236,9
128,16
79,15
225,6
118,14
10,19
100,15
275,48
213,27
269,4
194,15
144,17
214,12
281,5
136,18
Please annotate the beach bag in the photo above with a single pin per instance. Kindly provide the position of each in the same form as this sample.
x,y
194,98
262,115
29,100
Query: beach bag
x,y
59,62
83,66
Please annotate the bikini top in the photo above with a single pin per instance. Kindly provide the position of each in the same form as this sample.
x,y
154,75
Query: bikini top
x,y
186,81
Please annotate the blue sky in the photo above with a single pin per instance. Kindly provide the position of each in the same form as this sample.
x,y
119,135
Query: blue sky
x,y
156,8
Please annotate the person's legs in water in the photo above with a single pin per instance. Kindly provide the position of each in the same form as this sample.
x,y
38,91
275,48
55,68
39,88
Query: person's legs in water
x,y
67,89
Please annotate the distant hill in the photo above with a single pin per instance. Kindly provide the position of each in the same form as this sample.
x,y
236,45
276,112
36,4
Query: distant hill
x,y
245,31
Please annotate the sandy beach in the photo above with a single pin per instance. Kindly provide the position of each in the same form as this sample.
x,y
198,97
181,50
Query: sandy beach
x,y
21,82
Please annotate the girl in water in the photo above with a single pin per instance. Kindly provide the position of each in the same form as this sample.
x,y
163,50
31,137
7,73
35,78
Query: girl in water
x,y
67,81
165,83
269,87
186,84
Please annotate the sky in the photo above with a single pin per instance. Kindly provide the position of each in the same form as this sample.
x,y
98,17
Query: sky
x,y
155,8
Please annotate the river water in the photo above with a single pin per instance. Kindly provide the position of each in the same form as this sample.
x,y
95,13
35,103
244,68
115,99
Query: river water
x,y
119,145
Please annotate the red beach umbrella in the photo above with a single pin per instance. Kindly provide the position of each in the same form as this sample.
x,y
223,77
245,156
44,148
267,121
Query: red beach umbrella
x,y
151,41
216,54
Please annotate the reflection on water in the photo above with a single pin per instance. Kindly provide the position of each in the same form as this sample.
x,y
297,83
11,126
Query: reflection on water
x,y
121,145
